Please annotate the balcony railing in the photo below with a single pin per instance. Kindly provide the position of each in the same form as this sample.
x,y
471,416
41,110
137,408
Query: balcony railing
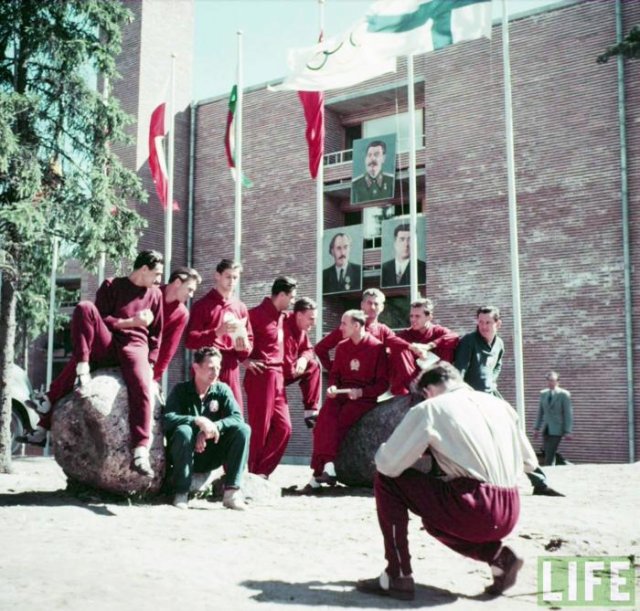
x,y
346,156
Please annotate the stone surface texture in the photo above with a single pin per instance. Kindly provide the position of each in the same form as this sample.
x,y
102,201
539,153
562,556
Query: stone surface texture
x,y
91,440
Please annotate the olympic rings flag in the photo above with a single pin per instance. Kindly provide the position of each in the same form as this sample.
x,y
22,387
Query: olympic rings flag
x,y
391,28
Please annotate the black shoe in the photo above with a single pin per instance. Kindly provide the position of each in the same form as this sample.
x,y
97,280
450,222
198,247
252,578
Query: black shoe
x,y
510,564
546,491
34,438
325,478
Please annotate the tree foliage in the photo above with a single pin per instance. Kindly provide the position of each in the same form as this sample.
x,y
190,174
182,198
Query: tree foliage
x,y
629,48
58,176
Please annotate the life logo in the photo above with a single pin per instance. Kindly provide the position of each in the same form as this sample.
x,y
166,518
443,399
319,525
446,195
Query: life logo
x,y
596,581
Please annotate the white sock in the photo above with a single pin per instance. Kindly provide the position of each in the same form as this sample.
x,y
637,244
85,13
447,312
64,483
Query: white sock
x,y
330,469
141,451
313,483
82,369
384,580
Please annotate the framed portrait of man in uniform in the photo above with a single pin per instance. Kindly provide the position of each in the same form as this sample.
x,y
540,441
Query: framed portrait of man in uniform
x,y
342,261
374,169
396,252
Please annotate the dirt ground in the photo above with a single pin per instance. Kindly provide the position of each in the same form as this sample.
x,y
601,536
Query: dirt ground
x,y
64,552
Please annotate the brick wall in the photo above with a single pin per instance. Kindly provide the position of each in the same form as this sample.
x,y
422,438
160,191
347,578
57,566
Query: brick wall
x,y
568,189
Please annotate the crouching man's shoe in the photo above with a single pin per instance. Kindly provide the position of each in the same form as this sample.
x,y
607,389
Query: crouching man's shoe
x,y
38,437
400,588
505,569
232,499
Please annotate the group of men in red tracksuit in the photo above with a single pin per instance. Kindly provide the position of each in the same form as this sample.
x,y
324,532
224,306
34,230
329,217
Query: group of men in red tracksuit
x,y
139,325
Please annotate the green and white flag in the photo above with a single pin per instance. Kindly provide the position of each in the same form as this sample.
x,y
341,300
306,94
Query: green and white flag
x,y
390,29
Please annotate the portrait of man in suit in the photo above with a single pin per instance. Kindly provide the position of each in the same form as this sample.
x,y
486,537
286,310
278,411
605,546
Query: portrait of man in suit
x,y
343,275
374,176
396,271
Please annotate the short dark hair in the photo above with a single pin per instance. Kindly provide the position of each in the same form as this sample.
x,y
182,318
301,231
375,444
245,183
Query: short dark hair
x,y
381,143
401,227
357,316
489,309
201,354
304,304
226,264
283,284
374,293
184,274
339,235
425,303
150,258
442,372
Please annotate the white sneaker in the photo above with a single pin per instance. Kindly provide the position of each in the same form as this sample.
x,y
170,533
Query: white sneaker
x,y
232,499
385,396
38,437
83,375
181,500
40,403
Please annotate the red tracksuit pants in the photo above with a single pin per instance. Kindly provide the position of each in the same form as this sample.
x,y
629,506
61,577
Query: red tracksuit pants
x,y
469,516
94,343
335,419
268,415
402,370
309,385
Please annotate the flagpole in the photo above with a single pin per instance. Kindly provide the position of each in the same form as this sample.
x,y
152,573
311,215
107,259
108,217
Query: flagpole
x,y
413,192
319,219
168,234
52,309
237,246
513,219
168,230
102,260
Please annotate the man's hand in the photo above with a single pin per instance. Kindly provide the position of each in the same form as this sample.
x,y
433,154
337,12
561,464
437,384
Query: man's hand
x,y
355,393
255,366
227,326
208,428
301,366
201,443
241,343
331,391
418,350
143,318
310,417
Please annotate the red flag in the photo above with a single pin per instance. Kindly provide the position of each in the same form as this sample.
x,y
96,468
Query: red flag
x,y
313,105
157,164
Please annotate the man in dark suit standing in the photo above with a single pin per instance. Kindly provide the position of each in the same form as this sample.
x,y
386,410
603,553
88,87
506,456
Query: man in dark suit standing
x,y
396,272
555,417
343,275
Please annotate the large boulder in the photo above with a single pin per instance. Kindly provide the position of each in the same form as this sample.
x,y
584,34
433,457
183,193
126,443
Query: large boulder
x,y
354,463
92,441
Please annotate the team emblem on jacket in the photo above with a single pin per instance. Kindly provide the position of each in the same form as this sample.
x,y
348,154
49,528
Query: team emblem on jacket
x,y
354,365
213,406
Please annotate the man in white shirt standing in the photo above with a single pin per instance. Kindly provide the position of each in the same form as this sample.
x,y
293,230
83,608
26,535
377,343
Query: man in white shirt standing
x,y
477,443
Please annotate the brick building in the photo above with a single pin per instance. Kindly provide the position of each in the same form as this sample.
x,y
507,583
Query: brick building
x,y
569,189
567,147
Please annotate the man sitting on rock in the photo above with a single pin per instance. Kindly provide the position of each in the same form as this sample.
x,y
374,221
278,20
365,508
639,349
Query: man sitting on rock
x,y
358,375
476,441
123,328
422,338
205,429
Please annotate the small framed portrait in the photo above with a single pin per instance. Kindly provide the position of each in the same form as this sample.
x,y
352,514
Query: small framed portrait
x,y
342,263
374,169
396,252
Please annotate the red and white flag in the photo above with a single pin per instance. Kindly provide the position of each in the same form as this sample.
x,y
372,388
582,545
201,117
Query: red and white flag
x,y
313,106
157,159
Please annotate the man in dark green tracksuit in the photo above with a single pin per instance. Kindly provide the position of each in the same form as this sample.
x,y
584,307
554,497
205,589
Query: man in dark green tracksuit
x,y
205,429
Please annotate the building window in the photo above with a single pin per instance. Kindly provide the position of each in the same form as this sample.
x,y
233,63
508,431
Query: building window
x,y
396,124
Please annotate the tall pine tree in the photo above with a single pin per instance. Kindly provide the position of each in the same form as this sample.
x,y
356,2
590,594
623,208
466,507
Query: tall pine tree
x,y
58,177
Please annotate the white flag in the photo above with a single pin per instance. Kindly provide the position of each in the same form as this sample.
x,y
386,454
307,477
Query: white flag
x,y
390,29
